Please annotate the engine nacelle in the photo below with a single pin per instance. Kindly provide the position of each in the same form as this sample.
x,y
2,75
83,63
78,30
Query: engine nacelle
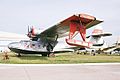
x,y
33,32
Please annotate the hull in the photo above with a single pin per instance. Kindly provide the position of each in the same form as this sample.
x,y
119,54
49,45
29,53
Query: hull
x,y
27,51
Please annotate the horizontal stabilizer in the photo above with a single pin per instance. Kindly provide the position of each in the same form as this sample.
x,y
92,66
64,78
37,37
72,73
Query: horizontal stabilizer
x,y
101,34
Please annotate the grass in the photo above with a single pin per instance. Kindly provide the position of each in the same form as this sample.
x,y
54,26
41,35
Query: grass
x,y
65,58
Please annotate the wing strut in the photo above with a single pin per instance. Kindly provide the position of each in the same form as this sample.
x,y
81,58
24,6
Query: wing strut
x,y
79,28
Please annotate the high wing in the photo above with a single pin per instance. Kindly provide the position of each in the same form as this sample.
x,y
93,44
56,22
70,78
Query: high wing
x,y
62,29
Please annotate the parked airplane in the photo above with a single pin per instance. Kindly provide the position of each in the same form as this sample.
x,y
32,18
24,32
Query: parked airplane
x,y
113,48
7,38
45,42
97,39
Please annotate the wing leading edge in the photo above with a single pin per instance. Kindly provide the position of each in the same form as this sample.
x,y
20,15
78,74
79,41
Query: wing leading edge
x,y
62,29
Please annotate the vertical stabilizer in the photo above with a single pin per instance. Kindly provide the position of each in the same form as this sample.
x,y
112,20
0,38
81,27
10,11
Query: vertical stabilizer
x,y
98,30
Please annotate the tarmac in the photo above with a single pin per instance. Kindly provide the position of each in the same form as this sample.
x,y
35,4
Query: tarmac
x,y
88,71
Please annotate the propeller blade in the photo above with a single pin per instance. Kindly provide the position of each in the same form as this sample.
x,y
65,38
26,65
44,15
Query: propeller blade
x,y
28,29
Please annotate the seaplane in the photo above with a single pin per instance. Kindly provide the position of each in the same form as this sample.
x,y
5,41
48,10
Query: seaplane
x,y
44,42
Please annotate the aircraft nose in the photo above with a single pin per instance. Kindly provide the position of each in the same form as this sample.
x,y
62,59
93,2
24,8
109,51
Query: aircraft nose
x,y
13,45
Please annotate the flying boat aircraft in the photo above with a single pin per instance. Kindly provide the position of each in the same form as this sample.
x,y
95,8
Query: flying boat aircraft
x,y
44,42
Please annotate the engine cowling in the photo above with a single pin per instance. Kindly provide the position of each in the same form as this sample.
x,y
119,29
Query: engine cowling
x,y
33,32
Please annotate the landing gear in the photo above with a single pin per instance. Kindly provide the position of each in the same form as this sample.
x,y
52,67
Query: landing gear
x,y
18,55
93,53
50,49
51,55
78,53
44,55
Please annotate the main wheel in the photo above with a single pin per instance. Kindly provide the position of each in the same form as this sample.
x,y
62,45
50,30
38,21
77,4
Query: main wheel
x,y
51,55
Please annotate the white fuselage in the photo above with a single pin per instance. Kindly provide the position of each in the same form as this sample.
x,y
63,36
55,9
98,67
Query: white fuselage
x,y
98,43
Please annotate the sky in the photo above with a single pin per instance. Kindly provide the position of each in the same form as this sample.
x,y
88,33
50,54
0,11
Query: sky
x,y
17,15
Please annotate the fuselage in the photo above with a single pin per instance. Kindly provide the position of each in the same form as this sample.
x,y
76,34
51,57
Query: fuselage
x,y
35,46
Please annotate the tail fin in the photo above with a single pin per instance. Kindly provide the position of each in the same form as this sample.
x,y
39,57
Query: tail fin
x,y
97,31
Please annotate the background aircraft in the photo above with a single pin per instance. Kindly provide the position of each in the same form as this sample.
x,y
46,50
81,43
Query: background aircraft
x,y
44,42
114,48
97,39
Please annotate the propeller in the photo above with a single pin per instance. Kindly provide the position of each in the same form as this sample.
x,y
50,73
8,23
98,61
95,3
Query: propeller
x,y
28,29
33,31
29,32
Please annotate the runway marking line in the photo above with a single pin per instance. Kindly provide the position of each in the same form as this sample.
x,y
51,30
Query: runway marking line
x,y
60,64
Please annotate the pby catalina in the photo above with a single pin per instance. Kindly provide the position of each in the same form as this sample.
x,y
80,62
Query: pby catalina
x,y
44,42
